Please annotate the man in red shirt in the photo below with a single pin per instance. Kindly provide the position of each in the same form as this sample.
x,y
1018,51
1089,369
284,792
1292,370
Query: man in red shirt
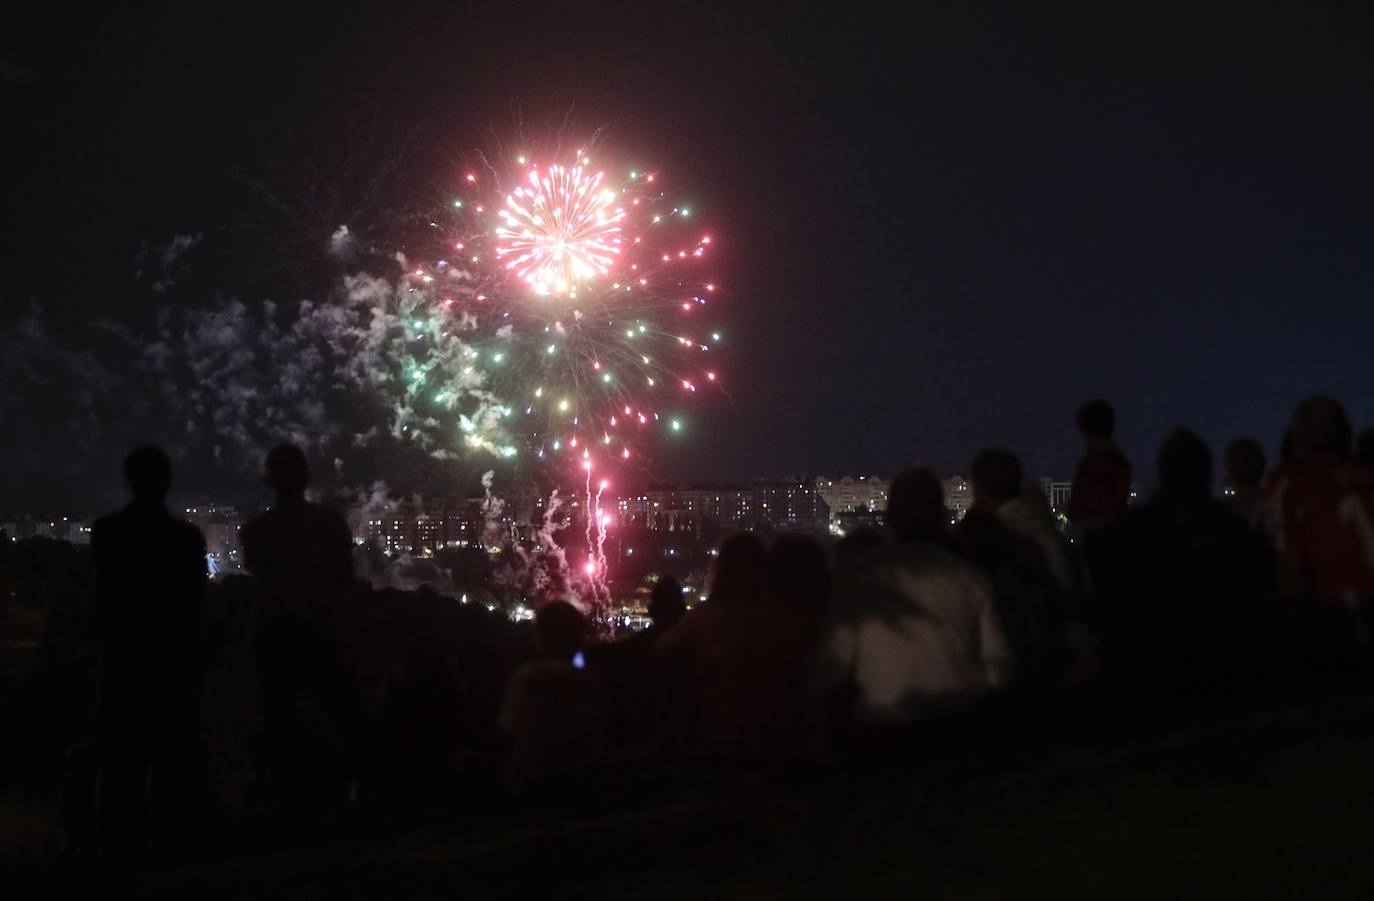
x,y
1324,501
1102,483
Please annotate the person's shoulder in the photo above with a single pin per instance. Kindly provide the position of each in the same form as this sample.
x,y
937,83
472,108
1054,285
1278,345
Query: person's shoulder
x,y
950,561
1025,548
1313,477
920,558
109,522
325,516
122,524
107,530
878,565
956,575
1353,474
688,630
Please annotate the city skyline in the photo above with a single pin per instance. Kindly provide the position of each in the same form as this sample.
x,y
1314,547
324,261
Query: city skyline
x,y
190,503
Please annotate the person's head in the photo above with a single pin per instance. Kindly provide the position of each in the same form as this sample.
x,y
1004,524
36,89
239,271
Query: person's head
x,y
741,570
1097,420
287,472
996,477
1185,465
856,542
1244,460
1364,447
559,628
1320,425
799,571
916,505
666,606
148,473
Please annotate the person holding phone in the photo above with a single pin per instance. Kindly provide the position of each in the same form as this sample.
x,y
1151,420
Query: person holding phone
x,y
556,710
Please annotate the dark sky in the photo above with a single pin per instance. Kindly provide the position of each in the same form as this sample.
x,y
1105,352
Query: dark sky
x,y
941,231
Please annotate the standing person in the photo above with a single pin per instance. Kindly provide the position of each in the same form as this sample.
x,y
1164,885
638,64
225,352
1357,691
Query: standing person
x,y
1364,447
151,571
1181,585
1102,483
1245,463
630,667
712,663
300,554
1324,501
1030,602
914,632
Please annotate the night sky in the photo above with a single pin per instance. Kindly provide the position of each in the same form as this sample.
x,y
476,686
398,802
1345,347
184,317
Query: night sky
x,y
939,233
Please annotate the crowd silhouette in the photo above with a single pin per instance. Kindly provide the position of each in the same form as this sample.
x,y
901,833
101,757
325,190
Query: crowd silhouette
x,y
799,655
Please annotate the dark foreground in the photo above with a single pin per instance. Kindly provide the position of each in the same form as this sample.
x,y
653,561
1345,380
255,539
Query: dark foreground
x,y
1267,801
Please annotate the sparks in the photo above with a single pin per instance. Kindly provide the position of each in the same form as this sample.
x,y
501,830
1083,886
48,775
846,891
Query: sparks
x,y
560,230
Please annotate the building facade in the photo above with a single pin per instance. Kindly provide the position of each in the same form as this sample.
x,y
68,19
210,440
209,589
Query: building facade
x,y
410,527
849,494
1056,493
788,505
958,496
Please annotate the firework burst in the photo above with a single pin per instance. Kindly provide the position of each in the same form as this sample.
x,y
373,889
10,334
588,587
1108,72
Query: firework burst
x,y
560,229
560,322
580,302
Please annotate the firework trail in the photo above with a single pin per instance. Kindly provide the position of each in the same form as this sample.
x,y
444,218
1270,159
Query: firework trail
x,y
493,533
578,300
595,523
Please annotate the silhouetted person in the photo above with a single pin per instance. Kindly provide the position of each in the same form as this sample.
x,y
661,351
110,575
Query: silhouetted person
x,y
1364,447
1244,476
1030,602
916,508
666,606
555,712
1102,483
1183,582
788,631
1324,501
630,667
300,554
800,575
152,574
913,631
714,683
1029,514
